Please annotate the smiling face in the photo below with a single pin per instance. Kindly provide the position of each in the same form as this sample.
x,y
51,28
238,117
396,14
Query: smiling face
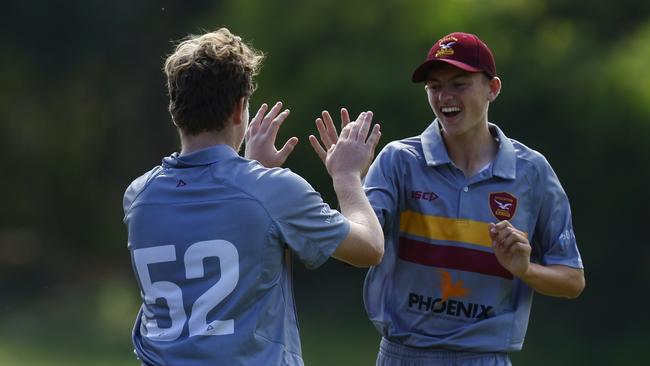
x,y
460,99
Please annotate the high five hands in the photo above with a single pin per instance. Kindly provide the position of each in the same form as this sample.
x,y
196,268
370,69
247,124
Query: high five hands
x,y
329,136
352,151
261,134
355,142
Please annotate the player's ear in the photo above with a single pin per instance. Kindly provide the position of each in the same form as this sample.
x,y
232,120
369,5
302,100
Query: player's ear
x,y
238,111
495,88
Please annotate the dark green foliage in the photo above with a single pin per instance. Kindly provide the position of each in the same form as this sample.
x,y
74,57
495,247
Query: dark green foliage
x,y
83,111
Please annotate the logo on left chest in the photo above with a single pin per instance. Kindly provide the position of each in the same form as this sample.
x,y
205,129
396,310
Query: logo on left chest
x,y
503,205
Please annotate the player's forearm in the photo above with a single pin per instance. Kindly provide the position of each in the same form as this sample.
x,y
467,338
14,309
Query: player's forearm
x,y
354,204
555,280
364,246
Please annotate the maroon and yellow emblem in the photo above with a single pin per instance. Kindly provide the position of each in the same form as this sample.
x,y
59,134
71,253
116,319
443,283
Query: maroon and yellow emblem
x,y
503,205
445,49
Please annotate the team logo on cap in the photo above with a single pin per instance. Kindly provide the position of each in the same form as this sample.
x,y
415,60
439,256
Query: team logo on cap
x,y
503,205
445,47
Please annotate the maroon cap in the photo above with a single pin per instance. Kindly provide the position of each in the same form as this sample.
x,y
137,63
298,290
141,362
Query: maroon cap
x,y
463,50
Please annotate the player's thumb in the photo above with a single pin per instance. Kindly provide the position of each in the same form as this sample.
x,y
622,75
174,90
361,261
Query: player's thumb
x,y
288,148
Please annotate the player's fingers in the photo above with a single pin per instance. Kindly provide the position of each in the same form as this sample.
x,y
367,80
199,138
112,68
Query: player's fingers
x,y
287,148
500,236
330,129
521,237
503,224
322,132
353,127
266,121
505,228
322,153
509,240
363,133
502,248
511,230
345,117
348,131
255,122
509,246
492,229
519,248
345,133
365,126
277,122
374,137
516,239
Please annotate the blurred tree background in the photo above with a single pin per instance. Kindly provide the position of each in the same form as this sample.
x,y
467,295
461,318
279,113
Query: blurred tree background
x,y
83,112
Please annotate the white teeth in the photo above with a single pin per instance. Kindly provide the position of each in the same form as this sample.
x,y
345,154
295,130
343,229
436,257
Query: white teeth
x,y
450,109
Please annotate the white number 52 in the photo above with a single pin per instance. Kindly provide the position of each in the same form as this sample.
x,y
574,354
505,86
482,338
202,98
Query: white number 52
x,y
172,293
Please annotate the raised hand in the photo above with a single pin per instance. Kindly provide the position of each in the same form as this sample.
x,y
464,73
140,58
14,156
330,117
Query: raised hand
x,y
511,247
329,136
352,152
327,132
261,134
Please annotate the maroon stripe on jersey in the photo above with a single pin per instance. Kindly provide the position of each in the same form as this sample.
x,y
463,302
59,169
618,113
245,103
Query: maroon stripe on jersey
x,y
445,256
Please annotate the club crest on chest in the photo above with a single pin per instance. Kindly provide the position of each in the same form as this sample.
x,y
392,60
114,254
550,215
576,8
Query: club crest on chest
x,y
503,205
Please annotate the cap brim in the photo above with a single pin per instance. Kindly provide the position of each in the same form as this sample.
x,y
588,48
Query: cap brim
x,y
422,71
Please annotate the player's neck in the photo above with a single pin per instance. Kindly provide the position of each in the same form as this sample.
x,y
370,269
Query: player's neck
x,y
204,140
473,150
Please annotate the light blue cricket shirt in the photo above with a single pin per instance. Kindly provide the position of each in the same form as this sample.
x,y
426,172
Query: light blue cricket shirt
x,y
208,233
439,284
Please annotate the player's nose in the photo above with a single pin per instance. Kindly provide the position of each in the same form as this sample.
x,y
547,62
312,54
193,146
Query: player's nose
x,y
443,94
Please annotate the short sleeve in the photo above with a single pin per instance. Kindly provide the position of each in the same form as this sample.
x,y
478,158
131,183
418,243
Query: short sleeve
x,y
302,220
136,187
554,229
381,186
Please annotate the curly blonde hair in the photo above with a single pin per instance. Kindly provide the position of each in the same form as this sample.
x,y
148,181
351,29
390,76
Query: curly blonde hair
x,y
206,76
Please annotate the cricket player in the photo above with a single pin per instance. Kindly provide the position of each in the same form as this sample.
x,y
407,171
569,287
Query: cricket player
x,y
474,223
212,234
